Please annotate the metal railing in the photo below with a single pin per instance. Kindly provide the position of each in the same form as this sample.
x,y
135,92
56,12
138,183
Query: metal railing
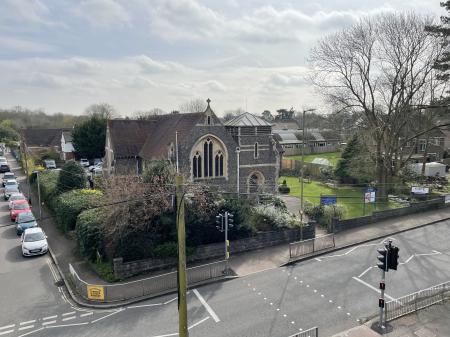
x,y
416,301
300,248
151,286
313,332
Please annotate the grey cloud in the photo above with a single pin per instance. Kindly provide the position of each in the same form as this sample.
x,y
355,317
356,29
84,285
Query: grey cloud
x,y
102,13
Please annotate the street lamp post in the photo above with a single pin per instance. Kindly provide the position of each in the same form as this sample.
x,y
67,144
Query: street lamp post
x,y
303,163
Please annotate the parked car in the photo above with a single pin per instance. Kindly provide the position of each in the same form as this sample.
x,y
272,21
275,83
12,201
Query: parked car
x,y
49,164
98,166
24,221
7,176
10,190
34,242
18,206
15,197
4,168
84,162
11,182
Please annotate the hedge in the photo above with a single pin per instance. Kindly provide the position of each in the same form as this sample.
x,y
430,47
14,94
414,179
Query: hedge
x,y
89,234
48,181
69,205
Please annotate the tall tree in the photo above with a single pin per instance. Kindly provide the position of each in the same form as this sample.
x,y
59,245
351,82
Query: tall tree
x,y
102,110
267,116
380,68
7,133
89,137
142,115
195,105
71,176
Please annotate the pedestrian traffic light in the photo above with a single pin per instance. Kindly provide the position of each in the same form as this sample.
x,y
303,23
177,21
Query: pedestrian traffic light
x,y
393,258
230,220
383,258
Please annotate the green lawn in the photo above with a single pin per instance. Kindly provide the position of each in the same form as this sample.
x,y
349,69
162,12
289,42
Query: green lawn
x,y
333,157
351,198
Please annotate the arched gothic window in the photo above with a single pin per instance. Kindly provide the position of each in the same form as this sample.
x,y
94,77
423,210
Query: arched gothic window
x,y
197,165
219,164
209,158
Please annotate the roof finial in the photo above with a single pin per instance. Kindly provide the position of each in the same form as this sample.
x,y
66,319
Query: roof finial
x,y
208,101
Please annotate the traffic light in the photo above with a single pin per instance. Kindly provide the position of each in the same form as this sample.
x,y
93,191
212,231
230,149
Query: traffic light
x,y
230,219
219,222
393,258
383,258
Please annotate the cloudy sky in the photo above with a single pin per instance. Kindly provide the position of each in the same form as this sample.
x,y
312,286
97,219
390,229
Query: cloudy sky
x,y
63,55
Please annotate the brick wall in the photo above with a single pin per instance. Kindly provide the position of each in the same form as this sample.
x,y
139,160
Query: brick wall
x,y
341,225
214,251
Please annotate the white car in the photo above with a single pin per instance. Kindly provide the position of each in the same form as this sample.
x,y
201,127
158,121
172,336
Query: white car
x,y
34,242
11,182
84,162
14,197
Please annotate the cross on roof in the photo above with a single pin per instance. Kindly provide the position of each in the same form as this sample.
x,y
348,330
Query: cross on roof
x,y
208,101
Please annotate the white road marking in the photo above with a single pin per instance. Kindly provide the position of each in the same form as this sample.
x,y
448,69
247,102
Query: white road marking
x,y
49,322
365,271
49,317
27,322
87,314
434,252
6,332
7,327
109,315
69,318
144,305
372,287
173,299
197,323
66,325
26,327
207,307
69,313
30,332
347,252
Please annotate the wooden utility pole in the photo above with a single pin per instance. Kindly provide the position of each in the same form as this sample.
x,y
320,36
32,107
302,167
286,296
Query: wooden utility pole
x,y
182,281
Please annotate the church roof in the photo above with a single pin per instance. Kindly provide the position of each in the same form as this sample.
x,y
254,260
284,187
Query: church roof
x,y
247,119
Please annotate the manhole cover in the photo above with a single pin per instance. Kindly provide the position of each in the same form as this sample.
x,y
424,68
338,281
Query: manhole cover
x,y
59,283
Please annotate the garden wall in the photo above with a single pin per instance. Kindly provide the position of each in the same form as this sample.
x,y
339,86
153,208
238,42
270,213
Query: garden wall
x,y
216,250
341,225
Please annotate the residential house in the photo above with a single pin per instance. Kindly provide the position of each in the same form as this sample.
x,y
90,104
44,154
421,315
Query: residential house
x,y
238,156
67,149
39,140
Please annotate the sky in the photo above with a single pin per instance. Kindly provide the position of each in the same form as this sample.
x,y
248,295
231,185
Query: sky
x,y
64,55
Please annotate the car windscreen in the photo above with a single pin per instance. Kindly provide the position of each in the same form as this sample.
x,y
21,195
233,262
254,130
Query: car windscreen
x,y
32,237
8,176
26,218
11,183
11,189
21,206
17,197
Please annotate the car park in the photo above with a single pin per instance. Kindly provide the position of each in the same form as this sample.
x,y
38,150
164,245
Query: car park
x,y
84,162
14,197
24,221
49,164
34,242
8,190
7,176
19,206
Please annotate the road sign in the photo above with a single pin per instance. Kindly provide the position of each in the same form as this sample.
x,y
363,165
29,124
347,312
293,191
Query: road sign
x,y
369,195
95,292
328,200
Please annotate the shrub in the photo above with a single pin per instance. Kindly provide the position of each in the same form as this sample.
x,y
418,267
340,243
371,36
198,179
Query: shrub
x,y
72,176
332,211
48,181
69,205
284,188
89,233
266,218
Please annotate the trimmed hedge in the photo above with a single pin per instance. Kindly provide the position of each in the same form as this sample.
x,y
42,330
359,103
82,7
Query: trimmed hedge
x,y
69,205
48,181
89,233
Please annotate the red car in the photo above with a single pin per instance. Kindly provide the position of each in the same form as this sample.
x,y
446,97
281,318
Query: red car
x,y
19,206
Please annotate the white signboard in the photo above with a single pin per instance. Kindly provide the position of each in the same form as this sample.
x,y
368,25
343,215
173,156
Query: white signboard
x,y
369,196
419,190
447,199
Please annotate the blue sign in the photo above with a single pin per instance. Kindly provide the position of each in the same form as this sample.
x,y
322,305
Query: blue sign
x,y
328,200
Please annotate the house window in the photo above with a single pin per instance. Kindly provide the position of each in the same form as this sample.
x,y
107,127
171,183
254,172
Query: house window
x,y
197,165
422,144
256,151
208,120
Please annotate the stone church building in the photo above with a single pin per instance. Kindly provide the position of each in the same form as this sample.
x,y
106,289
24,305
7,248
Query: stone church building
x,y
238,156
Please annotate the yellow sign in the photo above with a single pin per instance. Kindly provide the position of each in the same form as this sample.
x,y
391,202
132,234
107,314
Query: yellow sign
x,y
95,292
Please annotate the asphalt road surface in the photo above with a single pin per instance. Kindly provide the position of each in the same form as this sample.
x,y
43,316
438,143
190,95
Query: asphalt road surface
x,y
333,292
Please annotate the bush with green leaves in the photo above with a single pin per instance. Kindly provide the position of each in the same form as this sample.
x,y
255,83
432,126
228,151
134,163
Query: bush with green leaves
x,y
269,217
48,181
72,176
332,212
67,206
284,188
89,235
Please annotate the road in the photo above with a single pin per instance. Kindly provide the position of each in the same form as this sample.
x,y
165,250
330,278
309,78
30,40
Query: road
x,y
334,292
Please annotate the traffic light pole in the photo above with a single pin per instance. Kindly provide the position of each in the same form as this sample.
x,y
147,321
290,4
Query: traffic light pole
x,y
227,255
381,304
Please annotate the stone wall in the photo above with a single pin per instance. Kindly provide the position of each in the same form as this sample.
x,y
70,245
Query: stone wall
x,y
214,251
341,225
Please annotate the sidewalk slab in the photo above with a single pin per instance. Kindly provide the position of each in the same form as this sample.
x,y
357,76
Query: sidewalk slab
x,y
359,331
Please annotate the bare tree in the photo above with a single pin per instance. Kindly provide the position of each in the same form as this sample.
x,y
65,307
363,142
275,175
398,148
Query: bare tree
x,y
148,114
195,105
230,114
382,69
103,110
